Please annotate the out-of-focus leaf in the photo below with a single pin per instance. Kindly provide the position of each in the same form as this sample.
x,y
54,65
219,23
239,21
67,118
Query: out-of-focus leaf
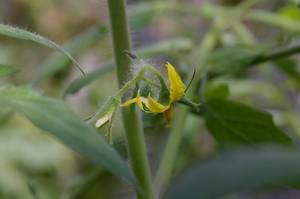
x,y
55,117
281,21
234,123
57,62
77,84
216,91
239,170
5,114
289,67
290,11
232,59
141,14
21,154
166,48
17,33
273,19
243,88
6,70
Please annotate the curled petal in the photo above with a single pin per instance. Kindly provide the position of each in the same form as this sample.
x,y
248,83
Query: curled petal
x,y
142,102
104,120
131,101
156,107
177,87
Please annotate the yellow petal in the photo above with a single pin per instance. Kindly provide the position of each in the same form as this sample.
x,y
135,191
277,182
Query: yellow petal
x,y
177,87
156,107
141,102
131,101
103,120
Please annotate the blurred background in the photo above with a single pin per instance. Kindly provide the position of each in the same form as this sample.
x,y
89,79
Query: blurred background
x,y
35,165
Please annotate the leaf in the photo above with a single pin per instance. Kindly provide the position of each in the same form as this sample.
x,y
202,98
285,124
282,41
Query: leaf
x,y
54,117
17,33
239,170
232,59
216,91
289,67
141,14
166,47
290,11
78,83
6,70
234,123
180,44
58,62
273,19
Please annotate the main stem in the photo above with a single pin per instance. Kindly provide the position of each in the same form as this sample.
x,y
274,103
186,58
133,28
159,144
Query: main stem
x,y
131,119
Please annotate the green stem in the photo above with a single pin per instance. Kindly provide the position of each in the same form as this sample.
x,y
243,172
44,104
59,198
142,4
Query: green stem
x,y
131,118
170,153
189,103
279,54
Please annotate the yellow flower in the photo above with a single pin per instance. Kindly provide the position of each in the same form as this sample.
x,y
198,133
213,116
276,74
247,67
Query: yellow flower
x,y
177,91
177,87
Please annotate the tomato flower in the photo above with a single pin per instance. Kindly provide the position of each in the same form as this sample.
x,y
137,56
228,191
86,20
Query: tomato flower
x,y
176,89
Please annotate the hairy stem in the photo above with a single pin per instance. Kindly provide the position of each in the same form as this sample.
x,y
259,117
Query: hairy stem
x,y
132,121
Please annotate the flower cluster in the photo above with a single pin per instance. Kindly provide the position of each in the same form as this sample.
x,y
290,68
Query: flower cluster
x,y
147,103
176,89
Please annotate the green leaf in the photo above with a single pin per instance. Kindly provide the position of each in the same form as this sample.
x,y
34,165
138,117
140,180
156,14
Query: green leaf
x,y
141,14
17,33
234,123
6,70
232,59
289,67
79,83
273,19
216,91
166,47
58,62
239,170
54,117
290,11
